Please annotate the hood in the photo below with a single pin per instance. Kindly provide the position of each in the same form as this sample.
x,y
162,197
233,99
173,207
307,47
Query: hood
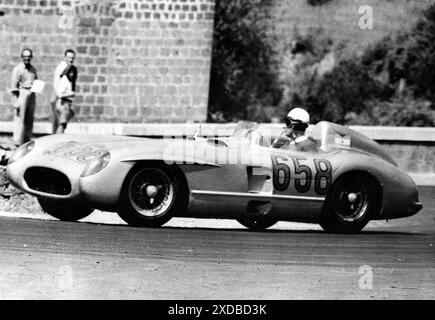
x,y
125,148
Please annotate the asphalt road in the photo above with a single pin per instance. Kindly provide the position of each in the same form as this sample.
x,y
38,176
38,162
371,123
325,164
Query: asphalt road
x,y
60,260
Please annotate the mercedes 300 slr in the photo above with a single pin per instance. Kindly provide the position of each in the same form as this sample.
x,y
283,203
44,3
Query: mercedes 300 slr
x,y
340,180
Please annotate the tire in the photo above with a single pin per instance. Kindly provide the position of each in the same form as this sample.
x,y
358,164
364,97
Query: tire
x,y
150,195
350,204
256,223
64,211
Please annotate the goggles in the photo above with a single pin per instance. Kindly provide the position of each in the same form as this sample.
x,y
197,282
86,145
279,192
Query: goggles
x,y
290,123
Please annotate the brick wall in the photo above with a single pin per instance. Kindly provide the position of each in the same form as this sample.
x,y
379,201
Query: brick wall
x,y
138,60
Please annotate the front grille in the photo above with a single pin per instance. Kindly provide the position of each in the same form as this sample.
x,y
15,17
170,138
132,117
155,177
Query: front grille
x,y
47,180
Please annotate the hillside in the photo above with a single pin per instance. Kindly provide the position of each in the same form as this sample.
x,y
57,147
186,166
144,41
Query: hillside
x,y
339,20
272,55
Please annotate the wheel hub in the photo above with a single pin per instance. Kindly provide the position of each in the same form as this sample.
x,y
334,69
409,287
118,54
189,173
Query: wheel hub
x,y
352,197
351,202
151,191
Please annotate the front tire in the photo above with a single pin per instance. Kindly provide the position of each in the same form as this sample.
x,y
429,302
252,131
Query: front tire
x,y
64,211
151,195
256,223
350,205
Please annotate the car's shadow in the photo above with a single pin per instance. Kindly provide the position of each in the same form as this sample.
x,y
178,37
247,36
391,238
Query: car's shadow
x,y
272,231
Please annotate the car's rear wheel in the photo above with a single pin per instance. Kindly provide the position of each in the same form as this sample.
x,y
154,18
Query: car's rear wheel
x,y
350,204
150,195
64,211
256,223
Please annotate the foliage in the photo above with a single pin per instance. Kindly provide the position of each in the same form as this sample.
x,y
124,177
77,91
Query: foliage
x,y
345,89
300,61
242,73
392,83
317,2
409,56
403,112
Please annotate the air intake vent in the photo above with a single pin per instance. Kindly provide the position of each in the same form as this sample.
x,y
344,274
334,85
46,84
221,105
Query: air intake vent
x,y
47,180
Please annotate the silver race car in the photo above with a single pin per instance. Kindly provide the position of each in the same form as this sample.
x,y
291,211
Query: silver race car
x,y
341,179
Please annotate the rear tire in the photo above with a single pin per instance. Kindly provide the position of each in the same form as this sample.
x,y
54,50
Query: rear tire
x,y
151,194
64,211
350,204
256,223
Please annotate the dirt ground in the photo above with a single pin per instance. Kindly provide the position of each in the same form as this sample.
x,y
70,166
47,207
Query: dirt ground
x,y
13,200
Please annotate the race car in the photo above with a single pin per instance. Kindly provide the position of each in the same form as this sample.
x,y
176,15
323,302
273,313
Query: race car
x,y
342,181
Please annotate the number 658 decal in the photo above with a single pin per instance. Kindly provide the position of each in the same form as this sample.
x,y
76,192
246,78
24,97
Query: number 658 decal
x,y
303,174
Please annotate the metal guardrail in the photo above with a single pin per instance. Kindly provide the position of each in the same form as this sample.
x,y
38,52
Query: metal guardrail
x,y
426,134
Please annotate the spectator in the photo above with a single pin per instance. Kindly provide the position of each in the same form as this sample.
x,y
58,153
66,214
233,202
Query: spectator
x,y
64,82
23,76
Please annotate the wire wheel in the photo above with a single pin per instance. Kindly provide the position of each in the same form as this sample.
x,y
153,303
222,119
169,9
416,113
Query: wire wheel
x,y
151,192
352,201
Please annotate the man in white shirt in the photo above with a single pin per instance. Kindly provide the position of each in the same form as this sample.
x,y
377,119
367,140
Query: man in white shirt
x,y
64,82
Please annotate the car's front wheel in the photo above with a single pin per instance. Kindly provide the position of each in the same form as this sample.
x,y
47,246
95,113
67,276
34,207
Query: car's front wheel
x,y
150,195
256,223
64,211
350,204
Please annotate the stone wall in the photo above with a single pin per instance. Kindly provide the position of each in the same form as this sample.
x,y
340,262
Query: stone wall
x,y
138,60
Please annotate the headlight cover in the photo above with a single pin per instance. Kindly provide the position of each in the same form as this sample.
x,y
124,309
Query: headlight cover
x,y
97,164
21,151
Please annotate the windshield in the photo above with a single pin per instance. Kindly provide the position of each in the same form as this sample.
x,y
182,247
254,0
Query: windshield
x,y
253,132
245,128
328,134
323,135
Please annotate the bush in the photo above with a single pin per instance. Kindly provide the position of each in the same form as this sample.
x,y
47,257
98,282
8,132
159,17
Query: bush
x,y
315,3
409,57
404,112
346,89
300,61
391,84
242,73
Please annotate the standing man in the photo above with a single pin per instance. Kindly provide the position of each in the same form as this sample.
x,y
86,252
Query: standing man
x,y
23,76
64,83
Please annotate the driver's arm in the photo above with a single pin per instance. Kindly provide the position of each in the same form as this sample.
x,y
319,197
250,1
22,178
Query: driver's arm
x,y
276,143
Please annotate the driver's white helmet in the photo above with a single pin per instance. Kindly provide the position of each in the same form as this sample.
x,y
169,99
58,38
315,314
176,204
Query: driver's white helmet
x,y
299,114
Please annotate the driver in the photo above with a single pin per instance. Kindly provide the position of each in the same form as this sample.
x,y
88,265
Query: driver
x,y
296,123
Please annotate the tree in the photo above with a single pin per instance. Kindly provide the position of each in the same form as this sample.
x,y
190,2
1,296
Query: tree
x,y
242,72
